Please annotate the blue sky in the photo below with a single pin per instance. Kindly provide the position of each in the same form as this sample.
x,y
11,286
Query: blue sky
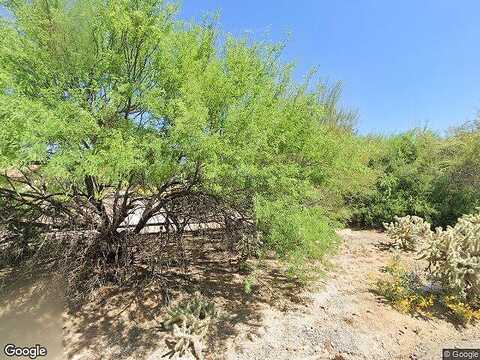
x,y
403,63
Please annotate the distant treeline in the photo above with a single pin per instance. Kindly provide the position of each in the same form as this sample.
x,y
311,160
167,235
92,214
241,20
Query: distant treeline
x,y
424,174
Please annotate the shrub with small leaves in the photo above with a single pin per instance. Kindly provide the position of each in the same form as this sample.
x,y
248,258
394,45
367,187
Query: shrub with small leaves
x,y
188,324
453,255
460,310
404,289
249,282
406,232
406,292
249,245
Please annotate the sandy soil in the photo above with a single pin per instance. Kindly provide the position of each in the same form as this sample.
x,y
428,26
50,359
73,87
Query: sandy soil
x,y
32,314
345,320
339,317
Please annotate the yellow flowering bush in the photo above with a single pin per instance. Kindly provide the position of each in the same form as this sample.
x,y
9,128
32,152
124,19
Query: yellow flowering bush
x,y
405,291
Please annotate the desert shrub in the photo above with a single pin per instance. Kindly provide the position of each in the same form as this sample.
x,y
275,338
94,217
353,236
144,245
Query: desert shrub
x,y
403,289
249,282
457,189
453,256
406,232
406,166
406,291
460,310
297,234
423,174
188,323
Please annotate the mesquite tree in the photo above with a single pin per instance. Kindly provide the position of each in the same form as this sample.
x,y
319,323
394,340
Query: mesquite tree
x,y
108,107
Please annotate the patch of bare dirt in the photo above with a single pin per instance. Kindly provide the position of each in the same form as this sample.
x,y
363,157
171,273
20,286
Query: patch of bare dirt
x,y
338,317
32,314
345,320
127,324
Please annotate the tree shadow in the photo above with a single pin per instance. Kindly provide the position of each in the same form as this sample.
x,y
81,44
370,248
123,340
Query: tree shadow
x,y
31,313
125,323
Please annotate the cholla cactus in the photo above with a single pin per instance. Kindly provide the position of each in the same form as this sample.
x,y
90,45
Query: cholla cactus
x,y
454,257
188,323
407,231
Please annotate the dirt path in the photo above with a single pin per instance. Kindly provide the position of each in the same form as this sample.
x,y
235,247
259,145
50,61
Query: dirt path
x,y
344,320
339,319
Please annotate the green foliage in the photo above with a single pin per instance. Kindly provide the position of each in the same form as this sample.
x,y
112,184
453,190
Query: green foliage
x,y
457,190
406,166
460,310
421,174
117,102
407,231
295,232
249,282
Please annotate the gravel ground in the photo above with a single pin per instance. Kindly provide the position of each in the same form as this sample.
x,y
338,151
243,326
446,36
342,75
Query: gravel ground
x,y
345,320
339,318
